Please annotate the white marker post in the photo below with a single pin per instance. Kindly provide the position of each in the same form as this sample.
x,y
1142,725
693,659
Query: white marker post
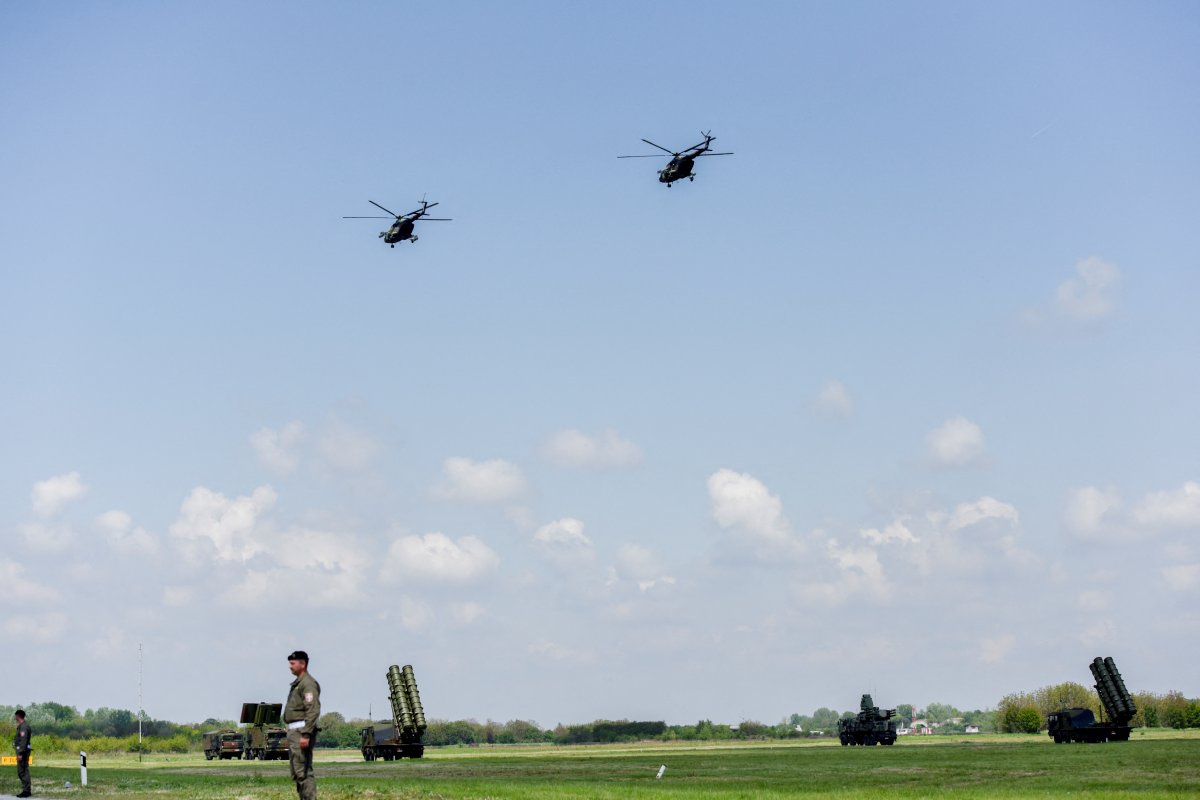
x,y
82,768
661,770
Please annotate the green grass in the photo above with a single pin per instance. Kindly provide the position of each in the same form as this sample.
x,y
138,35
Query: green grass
x,y
1152,765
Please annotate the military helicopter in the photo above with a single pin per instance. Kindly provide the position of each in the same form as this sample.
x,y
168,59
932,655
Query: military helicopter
x,y
402,228
680,165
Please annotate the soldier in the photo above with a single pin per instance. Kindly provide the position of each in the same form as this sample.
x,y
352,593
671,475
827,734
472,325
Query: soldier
x,y
300,714
21,745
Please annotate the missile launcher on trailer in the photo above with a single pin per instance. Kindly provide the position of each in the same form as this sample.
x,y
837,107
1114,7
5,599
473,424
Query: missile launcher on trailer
x,y
401,736
1080,725
872,725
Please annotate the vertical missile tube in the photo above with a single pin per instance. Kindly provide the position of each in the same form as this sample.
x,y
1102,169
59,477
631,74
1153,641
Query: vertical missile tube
x,y
401,713
408,681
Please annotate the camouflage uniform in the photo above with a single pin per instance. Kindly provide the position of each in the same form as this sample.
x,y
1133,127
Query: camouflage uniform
x,y
300,714
21,745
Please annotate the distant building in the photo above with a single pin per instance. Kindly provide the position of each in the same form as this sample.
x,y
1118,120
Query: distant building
x,y
971,729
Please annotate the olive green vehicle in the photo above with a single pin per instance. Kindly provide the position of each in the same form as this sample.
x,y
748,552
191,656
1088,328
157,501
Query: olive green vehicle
x,y
265,740
400,737
872,725
225,744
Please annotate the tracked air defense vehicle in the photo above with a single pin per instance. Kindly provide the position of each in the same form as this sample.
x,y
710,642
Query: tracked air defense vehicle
x,y
401,736
1081,725
266,740
872,725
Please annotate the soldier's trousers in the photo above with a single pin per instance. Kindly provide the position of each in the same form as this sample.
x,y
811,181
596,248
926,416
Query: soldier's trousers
x,y
23,773
302,768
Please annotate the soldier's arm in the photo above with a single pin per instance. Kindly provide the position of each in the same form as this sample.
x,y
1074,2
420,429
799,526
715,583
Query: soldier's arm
x,y
313,710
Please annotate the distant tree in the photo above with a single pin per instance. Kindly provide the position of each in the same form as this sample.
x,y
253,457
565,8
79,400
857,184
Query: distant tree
x,y
1028,720
1011,711
825,718
940,712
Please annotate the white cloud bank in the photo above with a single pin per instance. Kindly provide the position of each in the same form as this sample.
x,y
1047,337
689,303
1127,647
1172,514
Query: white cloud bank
x,y
835,399
50,495
279,449
210,524
564,543
479,482
956,442
1090,294
740,502
572,448
435,557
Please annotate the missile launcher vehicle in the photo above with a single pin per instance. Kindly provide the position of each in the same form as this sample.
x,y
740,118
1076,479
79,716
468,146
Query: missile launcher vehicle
x,y
224,744
870,726
1080,724
265,739
401,736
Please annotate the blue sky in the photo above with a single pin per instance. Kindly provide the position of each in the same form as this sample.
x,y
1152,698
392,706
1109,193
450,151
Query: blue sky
x,y
900,397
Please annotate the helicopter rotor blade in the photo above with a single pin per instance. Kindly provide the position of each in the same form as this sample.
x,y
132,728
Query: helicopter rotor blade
x,y
699,155
435,219
393,213
648,155
366,217
660,147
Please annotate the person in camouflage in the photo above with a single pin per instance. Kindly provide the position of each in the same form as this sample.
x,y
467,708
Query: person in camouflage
x,y
300,714
21,745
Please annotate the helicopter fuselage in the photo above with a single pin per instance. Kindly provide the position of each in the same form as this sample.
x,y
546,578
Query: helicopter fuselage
x,y
401,229
678,169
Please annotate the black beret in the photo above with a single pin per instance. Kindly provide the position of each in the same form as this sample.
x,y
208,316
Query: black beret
x,y
298,655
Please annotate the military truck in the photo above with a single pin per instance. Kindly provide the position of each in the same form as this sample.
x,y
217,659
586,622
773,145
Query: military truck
x,y
399,737
870,726
226,743
264,740
1080,724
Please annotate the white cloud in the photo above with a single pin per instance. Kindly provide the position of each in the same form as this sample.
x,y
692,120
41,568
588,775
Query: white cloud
x,y
572,448
995,650
437,557
1171,509
279,449
835,399
1092,600
34,628
346,449
956,442
50,495
463,614
1089,295
556,652
741,502
983,509
897,531
1098,633
564,542
415,615
21,591
124,537
177,596
1182,577
47,538
1091,511
640,564
467,481
212,524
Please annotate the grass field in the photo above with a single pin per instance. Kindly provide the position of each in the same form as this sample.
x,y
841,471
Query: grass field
x,y
1151,765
